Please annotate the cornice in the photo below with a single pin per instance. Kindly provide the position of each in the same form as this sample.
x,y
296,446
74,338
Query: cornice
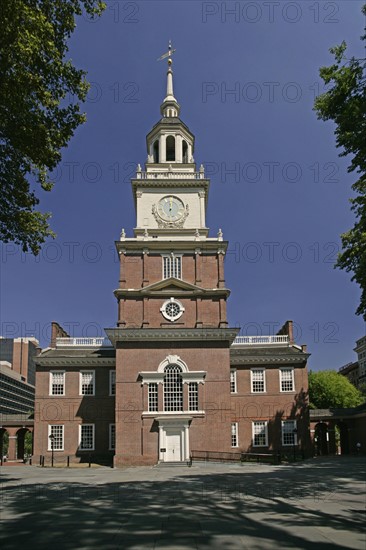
x,y
71,361
189,335
265,359
178,292
160,247
154,183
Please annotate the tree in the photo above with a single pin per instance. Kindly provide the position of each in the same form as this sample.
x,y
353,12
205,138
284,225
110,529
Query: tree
x,y
36,120
345,104
329,389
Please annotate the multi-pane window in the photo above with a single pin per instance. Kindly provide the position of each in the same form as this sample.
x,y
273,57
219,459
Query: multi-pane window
x,y
234,434
193,396
56,437
112,437
233,380
287,380
87,382
289,432
153,396
173,388
57,383
86,437
112,382
172,266
258,380
260,434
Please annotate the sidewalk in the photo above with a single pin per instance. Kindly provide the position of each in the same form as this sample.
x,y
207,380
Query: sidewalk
x,y
319,503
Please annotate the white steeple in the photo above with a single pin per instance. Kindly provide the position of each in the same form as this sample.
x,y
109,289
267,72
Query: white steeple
x,y
170,107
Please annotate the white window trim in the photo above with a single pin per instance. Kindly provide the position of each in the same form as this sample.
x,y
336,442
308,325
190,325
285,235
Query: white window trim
x,y
236,433
265,432
79,445
148,396
293,379
170,256
110,382
80,382
233,371
110,437
294,423
49,446
264,380
169,317
50,385
196,394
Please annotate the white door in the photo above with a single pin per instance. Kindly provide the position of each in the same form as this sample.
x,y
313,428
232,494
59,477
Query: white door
x,y
173,447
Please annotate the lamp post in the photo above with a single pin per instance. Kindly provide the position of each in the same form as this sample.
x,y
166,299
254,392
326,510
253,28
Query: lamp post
x,y
52,438
294,431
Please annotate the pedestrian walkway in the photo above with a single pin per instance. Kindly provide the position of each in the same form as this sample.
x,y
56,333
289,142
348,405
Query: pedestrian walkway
x,y
318,503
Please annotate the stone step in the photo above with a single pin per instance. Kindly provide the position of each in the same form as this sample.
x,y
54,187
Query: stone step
x,y
172,464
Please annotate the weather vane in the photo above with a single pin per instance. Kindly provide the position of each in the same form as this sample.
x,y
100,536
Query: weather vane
x,y
168,54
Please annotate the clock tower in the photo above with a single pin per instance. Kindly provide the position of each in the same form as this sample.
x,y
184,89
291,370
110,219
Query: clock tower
x,y
172,338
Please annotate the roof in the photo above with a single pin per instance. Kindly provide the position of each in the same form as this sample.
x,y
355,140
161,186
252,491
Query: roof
x,y
316,414
76,356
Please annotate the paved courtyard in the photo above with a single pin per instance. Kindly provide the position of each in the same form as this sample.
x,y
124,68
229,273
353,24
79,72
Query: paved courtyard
x,y
318,504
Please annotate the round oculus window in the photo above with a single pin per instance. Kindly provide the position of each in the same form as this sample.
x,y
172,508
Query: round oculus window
x,y
172,309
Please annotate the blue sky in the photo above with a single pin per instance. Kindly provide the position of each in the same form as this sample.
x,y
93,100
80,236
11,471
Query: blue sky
x,y
245,75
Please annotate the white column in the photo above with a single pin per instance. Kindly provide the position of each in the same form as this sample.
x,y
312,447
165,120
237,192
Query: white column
x,y
202,195
186,441
162,148
178,148
161,455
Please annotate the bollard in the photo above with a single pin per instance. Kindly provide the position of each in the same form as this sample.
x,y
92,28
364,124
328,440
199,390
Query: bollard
x,y
68,461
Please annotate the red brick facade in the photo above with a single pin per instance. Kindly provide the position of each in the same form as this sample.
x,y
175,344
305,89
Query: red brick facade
x,y
183,380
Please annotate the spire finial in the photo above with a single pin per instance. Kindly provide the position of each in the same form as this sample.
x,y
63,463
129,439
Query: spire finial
x,y
168,54
170,106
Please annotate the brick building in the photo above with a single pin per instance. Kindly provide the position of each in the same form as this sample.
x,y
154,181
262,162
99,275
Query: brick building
x,y
173,376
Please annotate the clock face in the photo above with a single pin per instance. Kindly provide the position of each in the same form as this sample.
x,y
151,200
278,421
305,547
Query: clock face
x,y
170,208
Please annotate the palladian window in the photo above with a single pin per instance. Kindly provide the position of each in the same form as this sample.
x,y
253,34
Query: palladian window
x,y
173,388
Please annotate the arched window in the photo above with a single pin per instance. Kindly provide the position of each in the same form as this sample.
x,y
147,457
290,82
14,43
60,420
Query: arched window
x,y
156,151
170,148
184,151
173,388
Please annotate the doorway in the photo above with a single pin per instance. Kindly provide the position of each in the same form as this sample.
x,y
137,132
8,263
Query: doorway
x,y
173,446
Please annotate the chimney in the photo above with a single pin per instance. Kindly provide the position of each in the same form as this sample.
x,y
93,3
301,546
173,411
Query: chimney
x,y
57,332
287,330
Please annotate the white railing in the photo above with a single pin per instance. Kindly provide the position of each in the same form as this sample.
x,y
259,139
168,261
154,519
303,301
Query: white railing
x,y
260,340
100,342
170,175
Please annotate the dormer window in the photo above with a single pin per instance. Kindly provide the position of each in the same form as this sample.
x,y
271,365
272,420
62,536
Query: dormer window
x,y
170,148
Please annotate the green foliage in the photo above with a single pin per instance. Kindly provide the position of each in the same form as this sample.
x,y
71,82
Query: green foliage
x,y
36,120
329,389
5,443
345,104
28,443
